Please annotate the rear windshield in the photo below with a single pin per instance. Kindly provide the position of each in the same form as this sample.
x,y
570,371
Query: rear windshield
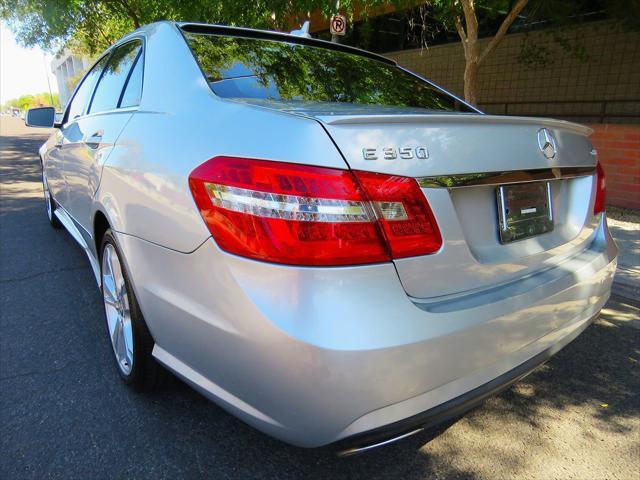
x,y
246,68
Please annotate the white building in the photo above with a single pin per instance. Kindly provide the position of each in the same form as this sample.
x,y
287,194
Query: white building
x,y
65,66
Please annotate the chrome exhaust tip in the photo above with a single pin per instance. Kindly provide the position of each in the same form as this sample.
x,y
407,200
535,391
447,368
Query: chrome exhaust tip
x,y
358,450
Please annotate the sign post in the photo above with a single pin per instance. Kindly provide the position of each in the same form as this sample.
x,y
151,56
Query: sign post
x,y
337,27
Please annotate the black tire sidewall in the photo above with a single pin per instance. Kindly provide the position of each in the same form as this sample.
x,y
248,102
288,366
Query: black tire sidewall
x,y
52,205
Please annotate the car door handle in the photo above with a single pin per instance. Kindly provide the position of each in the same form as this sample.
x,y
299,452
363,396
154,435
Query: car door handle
x,y
94,140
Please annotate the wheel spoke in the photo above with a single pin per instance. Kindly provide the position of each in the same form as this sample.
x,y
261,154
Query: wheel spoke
x,y
110,302
116,271
116,336
106,262
124,303
109,289
109,284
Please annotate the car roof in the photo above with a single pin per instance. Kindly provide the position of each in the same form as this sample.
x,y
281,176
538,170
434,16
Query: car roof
x,y
211,29
242,32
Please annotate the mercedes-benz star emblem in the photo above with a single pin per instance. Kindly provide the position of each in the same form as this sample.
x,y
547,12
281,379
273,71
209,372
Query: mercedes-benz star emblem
x,y
547,143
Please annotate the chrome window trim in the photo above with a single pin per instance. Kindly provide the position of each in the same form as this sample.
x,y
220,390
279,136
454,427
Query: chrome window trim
x,y
112,50
65,117
504,178
134,108
107,53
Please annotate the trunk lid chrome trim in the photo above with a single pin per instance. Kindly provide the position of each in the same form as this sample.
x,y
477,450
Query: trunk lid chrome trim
x,y
504,178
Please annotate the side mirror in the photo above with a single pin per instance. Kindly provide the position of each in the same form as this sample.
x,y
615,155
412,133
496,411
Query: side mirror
x,y
44,117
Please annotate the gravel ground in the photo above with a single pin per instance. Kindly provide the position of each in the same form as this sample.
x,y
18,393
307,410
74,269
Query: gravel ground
x,y
626,215
65,414
624,225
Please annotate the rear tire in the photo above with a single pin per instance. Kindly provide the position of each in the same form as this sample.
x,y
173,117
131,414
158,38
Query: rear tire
x,y
129,336
49,202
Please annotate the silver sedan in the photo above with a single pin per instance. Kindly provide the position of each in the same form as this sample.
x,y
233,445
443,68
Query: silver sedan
x,y
326,245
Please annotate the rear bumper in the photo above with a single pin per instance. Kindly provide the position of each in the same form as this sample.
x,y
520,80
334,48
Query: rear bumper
x,y
453,408
314,356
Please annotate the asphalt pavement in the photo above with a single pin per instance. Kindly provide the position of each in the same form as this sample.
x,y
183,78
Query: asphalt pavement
x,y
65,414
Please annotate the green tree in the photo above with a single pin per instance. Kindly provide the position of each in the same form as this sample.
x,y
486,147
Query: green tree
x,y
25,102
92,25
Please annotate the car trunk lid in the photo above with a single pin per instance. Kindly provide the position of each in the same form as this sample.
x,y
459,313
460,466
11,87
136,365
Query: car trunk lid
x,y
461,160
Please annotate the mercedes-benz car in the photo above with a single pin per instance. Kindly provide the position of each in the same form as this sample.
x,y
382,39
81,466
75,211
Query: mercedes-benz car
x,y
328,246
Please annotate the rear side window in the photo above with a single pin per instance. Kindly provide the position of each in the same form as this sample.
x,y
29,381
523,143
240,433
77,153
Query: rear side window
x,y
133,90
83,93
246,68
114,77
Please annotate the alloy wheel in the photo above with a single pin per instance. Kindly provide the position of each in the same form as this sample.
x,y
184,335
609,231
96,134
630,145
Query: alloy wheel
x,y
116,305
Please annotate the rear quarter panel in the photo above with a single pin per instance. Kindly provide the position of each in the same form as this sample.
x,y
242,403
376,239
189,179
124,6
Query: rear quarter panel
x,y
180,124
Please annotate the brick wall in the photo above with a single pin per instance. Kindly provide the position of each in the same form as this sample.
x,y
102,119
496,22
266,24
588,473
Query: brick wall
x,y
560,86
619,153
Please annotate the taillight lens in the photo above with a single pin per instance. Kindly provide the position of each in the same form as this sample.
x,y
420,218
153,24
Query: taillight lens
x,y
403,212
601,190
303,215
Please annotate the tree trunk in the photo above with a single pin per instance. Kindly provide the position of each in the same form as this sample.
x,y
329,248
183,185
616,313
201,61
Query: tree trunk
x,y
131,12
471,81
469,37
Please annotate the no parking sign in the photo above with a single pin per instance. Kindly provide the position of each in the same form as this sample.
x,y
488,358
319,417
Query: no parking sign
x,y
338,25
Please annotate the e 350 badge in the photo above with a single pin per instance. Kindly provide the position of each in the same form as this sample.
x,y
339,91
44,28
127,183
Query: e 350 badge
x,y
392,153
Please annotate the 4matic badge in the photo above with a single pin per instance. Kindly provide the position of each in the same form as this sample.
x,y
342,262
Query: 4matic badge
x,y
392,153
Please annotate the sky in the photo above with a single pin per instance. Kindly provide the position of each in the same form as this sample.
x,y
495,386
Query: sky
x,y
22,70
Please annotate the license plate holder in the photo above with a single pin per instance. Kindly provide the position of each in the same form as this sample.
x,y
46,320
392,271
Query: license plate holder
x,y
524,210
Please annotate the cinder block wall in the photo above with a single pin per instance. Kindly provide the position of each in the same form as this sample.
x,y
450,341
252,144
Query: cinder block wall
x,y
619,153
611,72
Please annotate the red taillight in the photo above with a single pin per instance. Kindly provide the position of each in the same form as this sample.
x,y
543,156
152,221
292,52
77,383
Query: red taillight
x,y
302,215
403,212
601,190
